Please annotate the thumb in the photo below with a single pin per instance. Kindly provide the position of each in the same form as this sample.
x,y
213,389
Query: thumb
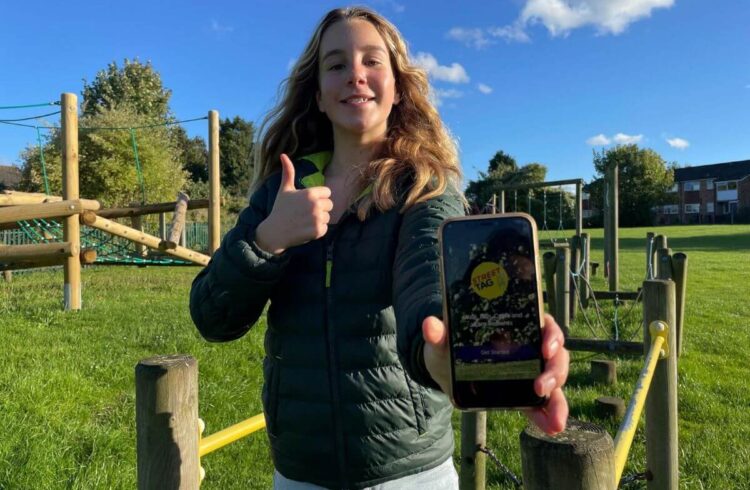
x,y
435,333
287,174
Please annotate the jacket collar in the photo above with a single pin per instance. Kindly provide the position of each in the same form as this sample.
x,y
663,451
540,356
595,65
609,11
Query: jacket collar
x,y
320,161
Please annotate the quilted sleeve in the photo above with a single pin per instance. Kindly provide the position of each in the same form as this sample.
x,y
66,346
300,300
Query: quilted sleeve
x,y
229,294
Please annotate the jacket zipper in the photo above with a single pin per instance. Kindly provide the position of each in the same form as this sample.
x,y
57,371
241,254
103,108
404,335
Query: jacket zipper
x,y
333,367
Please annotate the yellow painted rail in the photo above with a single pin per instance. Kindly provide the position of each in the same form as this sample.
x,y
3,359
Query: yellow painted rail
x,y
659,350
230,434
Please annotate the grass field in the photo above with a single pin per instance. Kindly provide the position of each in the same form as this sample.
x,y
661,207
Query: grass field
x,y
67,412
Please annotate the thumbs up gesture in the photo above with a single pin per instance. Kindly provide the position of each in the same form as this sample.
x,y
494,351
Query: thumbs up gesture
x,y
297,217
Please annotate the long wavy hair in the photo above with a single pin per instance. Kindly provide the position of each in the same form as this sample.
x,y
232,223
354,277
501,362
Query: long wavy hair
x,y
417,148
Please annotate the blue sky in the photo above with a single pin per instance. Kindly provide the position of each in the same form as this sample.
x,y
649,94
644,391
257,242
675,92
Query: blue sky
x,y
544,80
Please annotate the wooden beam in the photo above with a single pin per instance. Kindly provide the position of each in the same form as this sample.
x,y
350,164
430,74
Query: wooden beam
x,y
605,346
162,207
90,218
25,253
177,225
59,209
17,198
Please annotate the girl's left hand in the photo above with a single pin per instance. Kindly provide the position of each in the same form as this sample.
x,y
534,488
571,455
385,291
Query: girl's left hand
x,y
552,416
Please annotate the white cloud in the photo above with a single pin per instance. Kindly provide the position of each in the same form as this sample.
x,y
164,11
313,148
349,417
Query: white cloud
x,y
485,89
219,28
598,140
678,143
475,38
454,73
607,16
626,139
562,16
513,32
438,94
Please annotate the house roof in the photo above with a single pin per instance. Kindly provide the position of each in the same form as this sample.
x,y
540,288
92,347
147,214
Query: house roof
x,y
10,176
717,171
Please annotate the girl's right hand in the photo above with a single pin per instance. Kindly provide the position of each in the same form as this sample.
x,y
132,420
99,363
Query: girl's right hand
x,y
297,217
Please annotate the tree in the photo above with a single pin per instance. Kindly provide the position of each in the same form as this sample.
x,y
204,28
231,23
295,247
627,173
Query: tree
x,y
235,150
135,85
644,182
502,171
118,99
193,154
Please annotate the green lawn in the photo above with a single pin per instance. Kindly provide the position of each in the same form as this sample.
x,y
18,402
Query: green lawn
x,y
67,390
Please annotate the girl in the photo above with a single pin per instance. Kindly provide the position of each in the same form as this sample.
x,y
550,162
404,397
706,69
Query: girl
x,y
342,242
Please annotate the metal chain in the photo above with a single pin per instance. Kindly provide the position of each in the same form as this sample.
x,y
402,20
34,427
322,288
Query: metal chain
x,y
626,480
505,469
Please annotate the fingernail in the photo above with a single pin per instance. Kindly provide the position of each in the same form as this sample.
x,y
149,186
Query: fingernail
x,y
554,346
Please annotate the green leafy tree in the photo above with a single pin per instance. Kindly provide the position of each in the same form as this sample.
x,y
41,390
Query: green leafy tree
x,y
502,171
235,150
135,85
644,182
193,154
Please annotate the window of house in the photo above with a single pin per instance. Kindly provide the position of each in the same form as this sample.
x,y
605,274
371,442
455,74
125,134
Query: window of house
x,y
671,209
709,184
691,185
692,208
709,207
675,187
727,186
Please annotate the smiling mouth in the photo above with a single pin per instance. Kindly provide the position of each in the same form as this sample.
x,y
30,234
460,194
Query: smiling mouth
x,y
357,100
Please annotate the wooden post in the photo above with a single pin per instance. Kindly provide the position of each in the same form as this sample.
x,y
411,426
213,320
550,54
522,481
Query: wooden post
x,y
664,261
650,268
502,202
71,226
660,241
493,205
8,276
562,288
586,270
473,461
136,222
661,402
605,224
613,241
581,458
214,183
163,226
166,411
549,260
679,273
175,236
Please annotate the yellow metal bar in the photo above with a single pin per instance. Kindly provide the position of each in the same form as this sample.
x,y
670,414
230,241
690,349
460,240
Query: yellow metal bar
x,y
624,438
231,434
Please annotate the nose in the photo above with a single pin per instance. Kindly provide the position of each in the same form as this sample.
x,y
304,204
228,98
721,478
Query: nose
x,y
357,74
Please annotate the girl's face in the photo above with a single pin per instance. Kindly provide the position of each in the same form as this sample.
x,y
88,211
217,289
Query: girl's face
x,y
357,85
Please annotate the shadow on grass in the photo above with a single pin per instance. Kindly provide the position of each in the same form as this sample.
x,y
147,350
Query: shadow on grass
x,y
698,243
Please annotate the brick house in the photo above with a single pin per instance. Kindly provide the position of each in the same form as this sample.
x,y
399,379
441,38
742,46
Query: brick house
x,y
10,176
708,194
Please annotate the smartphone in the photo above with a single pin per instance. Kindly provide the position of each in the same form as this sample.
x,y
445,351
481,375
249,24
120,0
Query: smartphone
x,y
492,302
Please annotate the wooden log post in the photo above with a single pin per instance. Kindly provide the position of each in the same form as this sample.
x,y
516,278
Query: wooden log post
x,y
177,226
609,407
679,273
562,288
549,261
502,202
214,183
473,461
136,222
661,402
58,209
660,241
163,226
604,372
581,458
11,254
579,208
664,261
166,399
70,191
586,269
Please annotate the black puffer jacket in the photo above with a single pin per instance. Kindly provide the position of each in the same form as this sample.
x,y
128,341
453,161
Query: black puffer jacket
x,y
347,399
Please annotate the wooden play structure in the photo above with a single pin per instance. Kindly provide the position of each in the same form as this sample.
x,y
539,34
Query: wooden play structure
x,y
69,212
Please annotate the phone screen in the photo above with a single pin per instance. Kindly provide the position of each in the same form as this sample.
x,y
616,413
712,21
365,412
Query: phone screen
x,y
492,299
